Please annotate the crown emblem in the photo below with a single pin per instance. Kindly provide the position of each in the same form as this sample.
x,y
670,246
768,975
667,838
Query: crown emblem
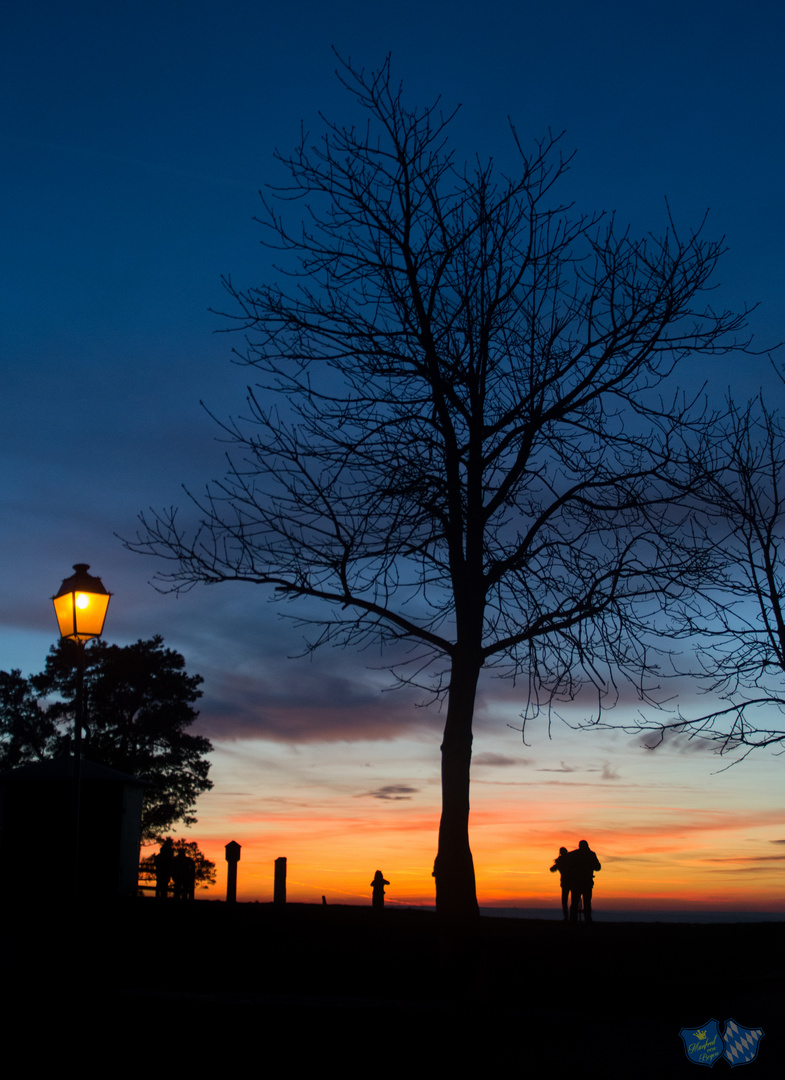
x,y
701,1034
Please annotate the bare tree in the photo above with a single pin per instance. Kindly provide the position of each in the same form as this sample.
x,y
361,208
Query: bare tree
x,y
458,439
735,620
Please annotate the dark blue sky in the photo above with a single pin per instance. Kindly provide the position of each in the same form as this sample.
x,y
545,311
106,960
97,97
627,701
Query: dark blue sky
x,y
134,141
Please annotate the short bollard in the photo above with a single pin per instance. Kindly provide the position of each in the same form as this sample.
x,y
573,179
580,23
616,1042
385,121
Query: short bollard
x,y
279,889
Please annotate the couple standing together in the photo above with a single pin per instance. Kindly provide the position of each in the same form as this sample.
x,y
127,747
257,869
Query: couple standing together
x,y
576,869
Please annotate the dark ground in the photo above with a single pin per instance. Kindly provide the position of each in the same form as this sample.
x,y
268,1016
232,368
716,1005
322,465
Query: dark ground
x,y
195,987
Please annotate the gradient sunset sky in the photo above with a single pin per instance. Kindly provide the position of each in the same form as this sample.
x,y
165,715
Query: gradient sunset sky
x,y
135,139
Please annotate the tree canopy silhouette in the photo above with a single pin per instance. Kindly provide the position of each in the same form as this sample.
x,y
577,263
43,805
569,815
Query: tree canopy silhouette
x,y
459,439
26,731
139,707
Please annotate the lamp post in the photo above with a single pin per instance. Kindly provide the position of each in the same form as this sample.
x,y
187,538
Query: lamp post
x,y
80,607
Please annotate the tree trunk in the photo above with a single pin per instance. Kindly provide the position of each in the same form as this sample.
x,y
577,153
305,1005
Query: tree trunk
x,y
456,891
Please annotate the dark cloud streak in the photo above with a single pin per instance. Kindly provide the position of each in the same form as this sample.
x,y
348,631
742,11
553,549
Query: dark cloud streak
x,y
394,792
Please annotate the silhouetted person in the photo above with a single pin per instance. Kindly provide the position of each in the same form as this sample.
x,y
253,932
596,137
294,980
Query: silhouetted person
x,y
562,864
377,885
184,875
164,862
582,864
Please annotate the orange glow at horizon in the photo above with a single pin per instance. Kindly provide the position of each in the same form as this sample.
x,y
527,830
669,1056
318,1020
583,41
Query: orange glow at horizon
x,y
337,856
671,836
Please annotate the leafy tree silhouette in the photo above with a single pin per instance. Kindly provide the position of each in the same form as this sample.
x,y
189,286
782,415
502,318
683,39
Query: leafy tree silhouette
x,y
139,708
26,732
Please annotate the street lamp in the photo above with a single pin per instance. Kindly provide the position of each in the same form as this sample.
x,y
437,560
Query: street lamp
x,y
80,607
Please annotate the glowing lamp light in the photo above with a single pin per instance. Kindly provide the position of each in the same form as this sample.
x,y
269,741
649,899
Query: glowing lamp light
x,y
81,605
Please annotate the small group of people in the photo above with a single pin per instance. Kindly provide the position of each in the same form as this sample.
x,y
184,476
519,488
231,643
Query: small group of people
x,y
178,868
576,870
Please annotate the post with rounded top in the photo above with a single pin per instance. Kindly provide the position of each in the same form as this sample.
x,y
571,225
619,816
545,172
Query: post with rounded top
x,y
232,858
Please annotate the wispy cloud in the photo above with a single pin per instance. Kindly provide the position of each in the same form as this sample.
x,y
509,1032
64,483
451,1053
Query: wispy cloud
x,y
497,760
677,742
606,771
393,791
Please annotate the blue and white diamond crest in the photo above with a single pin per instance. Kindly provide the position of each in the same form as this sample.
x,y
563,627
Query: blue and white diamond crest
x,y
741,1043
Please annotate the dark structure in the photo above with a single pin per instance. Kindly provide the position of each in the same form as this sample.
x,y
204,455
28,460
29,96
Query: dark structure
x,y
36,838
279,886
232,857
